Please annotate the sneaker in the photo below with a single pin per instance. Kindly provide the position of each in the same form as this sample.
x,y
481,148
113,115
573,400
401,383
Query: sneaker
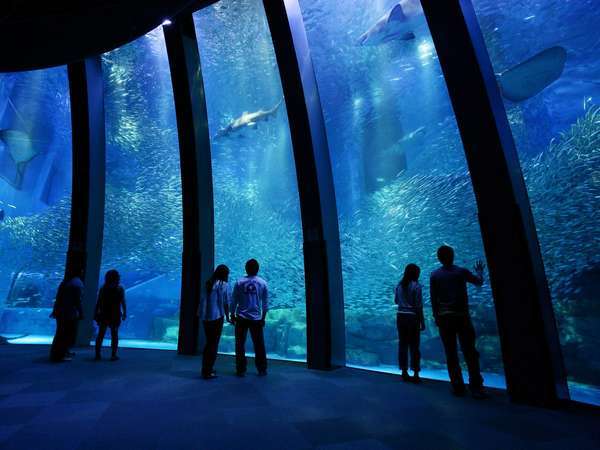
x,y
114,358
210,376
405,376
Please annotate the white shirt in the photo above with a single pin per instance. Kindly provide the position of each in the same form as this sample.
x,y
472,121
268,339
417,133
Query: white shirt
x,y
250,298
409,301
214,308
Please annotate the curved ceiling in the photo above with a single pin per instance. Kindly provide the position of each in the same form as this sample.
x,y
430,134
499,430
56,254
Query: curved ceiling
x,y
40,33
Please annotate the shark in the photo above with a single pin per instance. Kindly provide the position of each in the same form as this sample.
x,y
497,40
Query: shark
x,y
399,23
248,120
518,83
20,149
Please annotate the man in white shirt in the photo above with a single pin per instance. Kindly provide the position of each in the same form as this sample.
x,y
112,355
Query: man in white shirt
x,y
248,311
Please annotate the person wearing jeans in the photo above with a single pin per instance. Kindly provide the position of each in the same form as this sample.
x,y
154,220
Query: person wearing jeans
x,y
249,310
450,304
409,321
213,308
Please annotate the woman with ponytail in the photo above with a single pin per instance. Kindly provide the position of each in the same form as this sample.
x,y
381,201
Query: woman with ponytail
x,y
409,321
214,307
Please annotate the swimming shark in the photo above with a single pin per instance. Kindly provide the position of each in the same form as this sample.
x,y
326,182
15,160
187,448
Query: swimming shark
x,y
20,149
518,83
247,121
399,23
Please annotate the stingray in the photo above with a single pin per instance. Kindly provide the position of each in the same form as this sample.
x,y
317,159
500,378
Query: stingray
x,y
523,81
20,148
533,75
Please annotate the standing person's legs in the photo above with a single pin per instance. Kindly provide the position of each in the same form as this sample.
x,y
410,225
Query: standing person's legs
x,y
212,330
241,332
258,340
414,344
101,332
402,343
114,339
448,333
57,350
466,337
72,334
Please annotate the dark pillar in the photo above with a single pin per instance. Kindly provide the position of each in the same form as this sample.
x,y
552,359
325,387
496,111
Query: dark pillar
x,y
530,347
322,263
196,175
87,197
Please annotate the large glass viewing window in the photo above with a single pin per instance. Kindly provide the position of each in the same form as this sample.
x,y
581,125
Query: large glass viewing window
x,y
546,55
143,217
402,184
256,197
35,198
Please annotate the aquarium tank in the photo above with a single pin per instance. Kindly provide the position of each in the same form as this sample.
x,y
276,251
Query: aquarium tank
x,y
257,209
35,197
143,210
401,180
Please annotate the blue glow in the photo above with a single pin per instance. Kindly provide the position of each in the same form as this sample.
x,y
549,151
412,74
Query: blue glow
x,y
35,196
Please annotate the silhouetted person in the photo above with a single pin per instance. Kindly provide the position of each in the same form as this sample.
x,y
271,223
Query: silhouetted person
x,y
248,311
409,321
450,305
110,310
214,307
68,312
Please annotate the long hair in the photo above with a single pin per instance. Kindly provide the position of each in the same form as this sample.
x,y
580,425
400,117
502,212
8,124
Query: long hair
x,y
411,273
112,278
221,273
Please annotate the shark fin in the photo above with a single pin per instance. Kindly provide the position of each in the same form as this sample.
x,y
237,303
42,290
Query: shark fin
x,y
397,14
533,75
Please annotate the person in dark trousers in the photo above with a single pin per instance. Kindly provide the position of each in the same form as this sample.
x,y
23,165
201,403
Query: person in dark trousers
x,y
213,308
450,305
409,321
110,310
248,311
67,311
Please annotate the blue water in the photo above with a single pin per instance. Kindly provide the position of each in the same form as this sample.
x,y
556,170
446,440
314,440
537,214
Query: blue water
x,y
401,180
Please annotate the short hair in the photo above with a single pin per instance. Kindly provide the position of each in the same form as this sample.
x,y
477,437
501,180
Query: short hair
x,y
446,255
252,267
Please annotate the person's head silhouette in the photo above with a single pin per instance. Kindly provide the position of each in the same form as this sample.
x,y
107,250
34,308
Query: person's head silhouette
x,y
446,255
221,273
252,267
112,278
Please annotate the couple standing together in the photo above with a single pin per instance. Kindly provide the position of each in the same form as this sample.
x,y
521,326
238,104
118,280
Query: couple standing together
x,y
450,305
246,308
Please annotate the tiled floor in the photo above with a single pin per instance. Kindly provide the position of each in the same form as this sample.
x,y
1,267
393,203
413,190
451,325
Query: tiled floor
x,y
154,399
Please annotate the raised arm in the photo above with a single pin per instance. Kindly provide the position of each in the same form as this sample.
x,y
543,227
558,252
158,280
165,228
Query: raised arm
x,y
477,278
